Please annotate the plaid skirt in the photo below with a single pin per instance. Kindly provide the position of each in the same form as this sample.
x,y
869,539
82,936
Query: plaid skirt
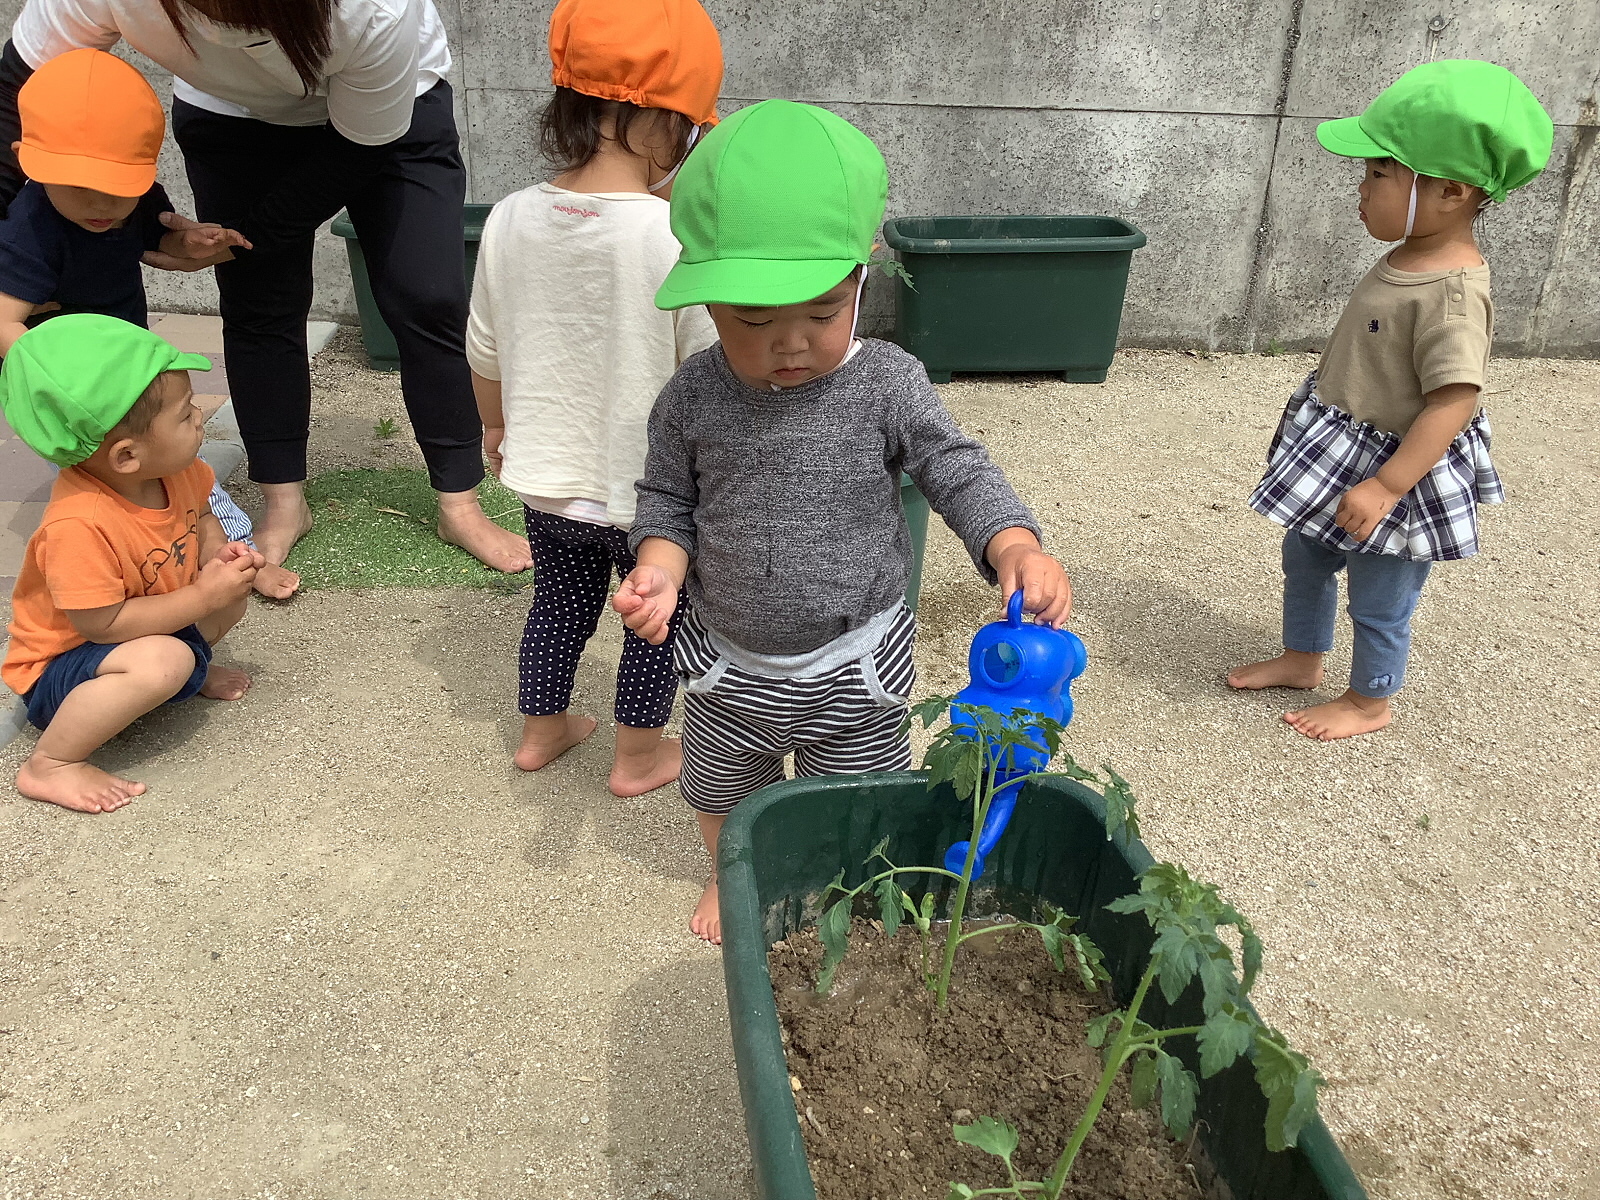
x,y
1321,452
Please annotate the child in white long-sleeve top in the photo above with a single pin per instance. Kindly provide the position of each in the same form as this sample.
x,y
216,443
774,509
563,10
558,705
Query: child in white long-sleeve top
x,y
568,351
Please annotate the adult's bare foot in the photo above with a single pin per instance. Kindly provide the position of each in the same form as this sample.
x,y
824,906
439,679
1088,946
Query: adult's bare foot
x,y
644,764
79,786
545,739
706,923
462,522
275,582
1350,715
285,519
224,683
1291,669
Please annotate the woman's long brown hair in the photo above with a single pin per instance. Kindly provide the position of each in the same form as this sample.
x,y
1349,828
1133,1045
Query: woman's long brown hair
x,y
300,27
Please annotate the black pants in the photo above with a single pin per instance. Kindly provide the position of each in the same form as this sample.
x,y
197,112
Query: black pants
x,y
572,565
409,223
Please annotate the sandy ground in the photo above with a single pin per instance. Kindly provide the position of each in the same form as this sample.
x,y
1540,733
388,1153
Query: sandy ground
x,y
342,948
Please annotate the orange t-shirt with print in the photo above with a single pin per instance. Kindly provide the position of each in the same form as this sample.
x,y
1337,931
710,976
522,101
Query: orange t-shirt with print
x,y
95,548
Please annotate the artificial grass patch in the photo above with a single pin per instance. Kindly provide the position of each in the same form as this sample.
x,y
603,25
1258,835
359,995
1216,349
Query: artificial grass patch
x,y
376,529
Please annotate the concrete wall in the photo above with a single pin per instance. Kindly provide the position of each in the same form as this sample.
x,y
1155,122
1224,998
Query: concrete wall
x,y
1192,118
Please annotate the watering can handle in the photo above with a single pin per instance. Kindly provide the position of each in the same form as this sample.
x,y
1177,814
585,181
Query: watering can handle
x,y
1014,609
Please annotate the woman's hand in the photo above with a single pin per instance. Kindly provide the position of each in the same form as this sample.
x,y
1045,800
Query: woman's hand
x,y
193,245
1022,566
1363,507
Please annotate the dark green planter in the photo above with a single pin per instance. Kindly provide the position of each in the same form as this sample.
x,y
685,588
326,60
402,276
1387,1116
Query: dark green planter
x,y
1012,293
382,353
783,845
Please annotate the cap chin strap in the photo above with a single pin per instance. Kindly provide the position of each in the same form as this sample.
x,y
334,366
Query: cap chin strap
x,y
1411,208
694,136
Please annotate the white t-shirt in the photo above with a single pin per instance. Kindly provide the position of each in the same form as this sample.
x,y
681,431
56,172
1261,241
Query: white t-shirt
x,y
384,54
564,316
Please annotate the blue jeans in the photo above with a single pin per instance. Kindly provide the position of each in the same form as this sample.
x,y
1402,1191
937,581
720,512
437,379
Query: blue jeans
x,y
1383,594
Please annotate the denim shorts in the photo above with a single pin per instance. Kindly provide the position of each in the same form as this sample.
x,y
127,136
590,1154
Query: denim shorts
x,y
78,665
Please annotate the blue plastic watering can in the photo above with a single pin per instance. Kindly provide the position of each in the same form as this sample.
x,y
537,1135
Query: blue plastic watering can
x,y
1015,665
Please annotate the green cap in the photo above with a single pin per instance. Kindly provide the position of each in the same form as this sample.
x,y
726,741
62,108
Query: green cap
x,y
66,383
776,205
1458,119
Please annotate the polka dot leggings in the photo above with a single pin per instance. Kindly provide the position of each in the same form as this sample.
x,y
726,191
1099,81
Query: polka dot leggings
x,y
572,564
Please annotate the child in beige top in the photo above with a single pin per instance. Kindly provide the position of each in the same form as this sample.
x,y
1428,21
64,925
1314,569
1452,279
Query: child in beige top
x,y
1382,456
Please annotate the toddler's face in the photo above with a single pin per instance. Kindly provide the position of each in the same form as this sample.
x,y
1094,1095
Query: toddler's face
x,y
174,437
791,344
89,209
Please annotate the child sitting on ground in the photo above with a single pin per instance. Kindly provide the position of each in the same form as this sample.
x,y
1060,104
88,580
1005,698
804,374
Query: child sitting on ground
x,y
129,581
773,479
1382,456
568,351
74,236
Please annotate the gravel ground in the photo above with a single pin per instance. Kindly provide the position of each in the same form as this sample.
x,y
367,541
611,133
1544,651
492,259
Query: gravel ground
x,y
342,948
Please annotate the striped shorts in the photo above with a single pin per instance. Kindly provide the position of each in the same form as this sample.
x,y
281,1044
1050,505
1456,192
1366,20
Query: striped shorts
x,y
737,730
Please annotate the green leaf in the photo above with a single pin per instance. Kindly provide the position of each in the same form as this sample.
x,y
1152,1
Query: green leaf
x,y
834,932
930,710
966,772
960,1191
1052,938
1227,1033
1252,953
1178,1092
1122,814
1219,983
1143,1084
1290,1083
998,1138
1070,768
1100,1028
1090,960
891,902
877,851
1175,949
835,885
925,918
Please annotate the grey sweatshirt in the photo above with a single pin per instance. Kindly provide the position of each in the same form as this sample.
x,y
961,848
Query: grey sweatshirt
x,y
788,502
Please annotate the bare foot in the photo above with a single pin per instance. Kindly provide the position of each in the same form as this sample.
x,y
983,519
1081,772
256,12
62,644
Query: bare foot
x,y
285,520
224,683
75,785
1291,669
462,522
637,773
275,582
545,739
706,923
1351,714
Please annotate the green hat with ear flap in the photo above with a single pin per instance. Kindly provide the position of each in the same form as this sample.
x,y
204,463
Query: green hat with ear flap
x,y
65,384
1457,119
775,206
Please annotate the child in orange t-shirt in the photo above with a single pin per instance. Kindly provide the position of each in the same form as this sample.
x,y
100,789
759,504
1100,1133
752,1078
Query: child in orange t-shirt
x,y
129,581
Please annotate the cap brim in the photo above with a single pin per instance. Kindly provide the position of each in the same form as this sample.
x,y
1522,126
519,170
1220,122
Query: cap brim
x,y
752,282
1346,137
129,180
190,362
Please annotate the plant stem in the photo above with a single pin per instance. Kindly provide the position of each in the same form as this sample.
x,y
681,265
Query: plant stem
x,y
980,810
1121,1048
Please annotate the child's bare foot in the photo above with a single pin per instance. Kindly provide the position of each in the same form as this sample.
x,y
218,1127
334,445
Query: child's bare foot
x,y
706,923
1291,669
275,582
545,739
75,785
1351,714
645,761
224,683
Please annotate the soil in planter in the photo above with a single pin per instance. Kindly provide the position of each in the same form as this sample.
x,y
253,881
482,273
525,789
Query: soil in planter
x,y
885,1074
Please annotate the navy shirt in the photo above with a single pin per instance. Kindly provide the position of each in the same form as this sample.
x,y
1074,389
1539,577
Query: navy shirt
x,y
44,257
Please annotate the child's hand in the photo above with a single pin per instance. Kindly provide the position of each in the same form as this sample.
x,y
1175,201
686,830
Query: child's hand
x,y
231,551
194,245
1363,506
1022,565
226,582
646,601
493,435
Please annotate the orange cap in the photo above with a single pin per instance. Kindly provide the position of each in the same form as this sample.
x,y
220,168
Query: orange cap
x,y
90,120
653,53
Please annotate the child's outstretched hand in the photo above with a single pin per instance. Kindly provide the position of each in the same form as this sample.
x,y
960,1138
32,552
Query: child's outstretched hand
x,y
194,245
646,601
1021,565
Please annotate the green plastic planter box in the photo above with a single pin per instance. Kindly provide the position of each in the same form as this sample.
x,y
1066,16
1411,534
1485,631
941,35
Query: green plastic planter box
x,y
1012,293
784,844
382,353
